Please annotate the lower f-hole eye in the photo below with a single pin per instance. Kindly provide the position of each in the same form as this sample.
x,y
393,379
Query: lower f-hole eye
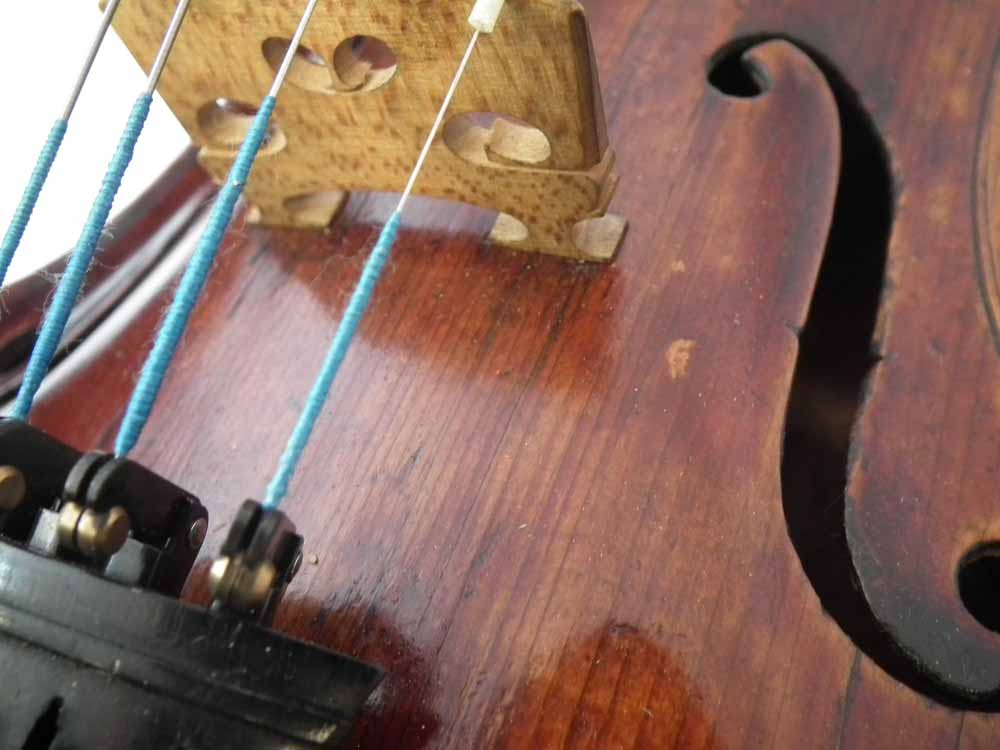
x,y
979,582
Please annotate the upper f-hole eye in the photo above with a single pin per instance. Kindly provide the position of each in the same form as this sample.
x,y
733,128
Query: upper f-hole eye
x,y
978,576
359,64
732,74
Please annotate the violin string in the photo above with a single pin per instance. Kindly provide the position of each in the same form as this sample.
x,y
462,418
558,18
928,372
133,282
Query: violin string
x,y
360,299
76,269
47,156
192,284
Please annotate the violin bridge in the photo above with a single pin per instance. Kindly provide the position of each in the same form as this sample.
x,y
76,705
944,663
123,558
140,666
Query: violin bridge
x,y
526,135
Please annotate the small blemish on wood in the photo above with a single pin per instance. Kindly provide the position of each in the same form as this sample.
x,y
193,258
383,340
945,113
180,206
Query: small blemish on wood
x,y
679,357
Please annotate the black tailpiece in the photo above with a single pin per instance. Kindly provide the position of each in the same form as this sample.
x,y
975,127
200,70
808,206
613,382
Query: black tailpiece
x,y
96,651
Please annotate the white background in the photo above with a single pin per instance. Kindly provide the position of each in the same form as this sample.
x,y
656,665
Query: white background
x,y
45,42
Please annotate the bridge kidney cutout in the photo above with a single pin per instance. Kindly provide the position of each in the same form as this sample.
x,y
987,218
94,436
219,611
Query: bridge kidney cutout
x,y
490,138
225,123
358,64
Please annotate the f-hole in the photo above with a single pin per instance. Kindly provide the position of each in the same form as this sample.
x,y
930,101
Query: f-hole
x,y
837,353
46,727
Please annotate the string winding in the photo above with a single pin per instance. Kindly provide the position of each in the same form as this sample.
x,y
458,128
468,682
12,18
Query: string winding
x,y
346,332
76,270
348,328
43,165
15,232
192,284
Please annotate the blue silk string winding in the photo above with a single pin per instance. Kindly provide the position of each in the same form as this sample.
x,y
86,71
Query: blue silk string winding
x,y
346,332
192,284
22,215
76,270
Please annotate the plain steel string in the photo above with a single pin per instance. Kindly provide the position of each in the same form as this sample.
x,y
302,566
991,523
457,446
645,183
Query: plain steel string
x,y
483,20
192,285
79,263
43,165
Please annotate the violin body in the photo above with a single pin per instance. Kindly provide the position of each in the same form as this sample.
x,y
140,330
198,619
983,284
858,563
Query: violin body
x,y
733,490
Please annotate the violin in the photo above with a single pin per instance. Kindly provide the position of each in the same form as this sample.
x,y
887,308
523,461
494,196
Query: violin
x,y
568,375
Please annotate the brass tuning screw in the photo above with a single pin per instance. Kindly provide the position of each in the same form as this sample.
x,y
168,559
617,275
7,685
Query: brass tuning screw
x,y
13,488
94,535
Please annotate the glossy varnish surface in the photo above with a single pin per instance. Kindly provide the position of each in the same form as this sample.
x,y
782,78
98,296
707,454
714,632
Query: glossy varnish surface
x,y
546,497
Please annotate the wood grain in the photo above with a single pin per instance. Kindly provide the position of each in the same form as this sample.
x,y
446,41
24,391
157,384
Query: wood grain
x,y
921,495
546,497
987,201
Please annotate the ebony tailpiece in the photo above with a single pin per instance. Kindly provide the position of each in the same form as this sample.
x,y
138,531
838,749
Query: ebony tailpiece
x,y
96,651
